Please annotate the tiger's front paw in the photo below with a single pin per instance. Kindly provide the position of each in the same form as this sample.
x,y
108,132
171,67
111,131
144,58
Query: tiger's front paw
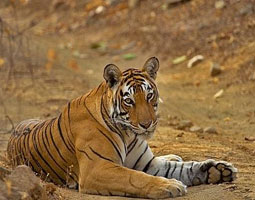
x,y
165,188
219,171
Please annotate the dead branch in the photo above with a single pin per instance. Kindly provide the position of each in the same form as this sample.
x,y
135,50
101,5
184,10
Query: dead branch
x,y
11,122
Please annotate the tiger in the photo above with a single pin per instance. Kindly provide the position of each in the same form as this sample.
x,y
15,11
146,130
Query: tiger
x,y
98,144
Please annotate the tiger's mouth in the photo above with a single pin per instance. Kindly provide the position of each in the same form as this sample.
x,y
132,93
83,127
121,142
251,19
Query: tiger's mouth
x,y
138,132
131,129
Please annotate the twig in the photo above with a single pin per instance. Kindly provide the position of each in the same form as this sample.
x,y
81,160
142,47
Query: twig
x,y
10,120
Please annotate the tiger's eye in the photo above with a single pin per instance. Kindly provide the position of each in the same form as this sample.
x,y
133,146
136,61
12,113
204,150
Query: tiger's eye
x,y
128,101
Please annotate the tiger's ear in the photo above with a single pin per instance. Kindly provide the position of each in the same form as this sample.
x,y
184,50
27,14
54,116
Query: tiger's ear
x,y
151,66
112,74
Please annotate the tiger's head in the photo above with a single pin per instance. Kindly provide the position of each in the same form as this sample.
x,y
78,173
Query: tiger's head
x,y
134,97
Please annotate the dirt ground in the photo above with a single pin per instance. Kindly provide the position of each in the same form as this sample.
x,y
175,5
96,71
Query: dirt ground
x,y
62,48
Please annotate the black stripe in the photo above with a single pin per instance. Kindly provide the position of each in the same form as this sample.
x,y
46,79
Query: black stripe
x,y
191,170
30,153
132,142
52,139
110,125
18,148
70,143
116,149
34,134
123,113
155,174
114,130
181,171
22,143
79,100
174,169
98,87
84,103
139,79
46,134
69,118
100,155
47,149
188,173
145,169
132,147
61,134
127,77
140,156
139,74
132,85
141,143
128,83
167,172
84,153
33,158
121,93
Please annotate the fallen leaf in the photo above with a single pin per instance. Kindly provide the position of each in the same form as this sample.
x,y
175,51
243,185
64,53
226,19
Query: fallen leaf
x,y
98,45
129,56
73,65
179,60
24,2
218,94
226,119
51,55
48,66
2,61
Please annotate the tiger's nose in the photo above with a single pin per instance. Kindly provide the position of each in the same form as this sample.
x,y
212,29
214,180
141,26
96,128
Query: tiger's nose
x,y
145,124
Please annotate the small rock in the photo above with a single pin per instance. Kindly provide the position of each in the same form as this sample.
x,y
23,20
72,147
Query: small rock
x,y
180,134
231,187
196,129
99,9
210,130
169,3
219,4
61,46
179,60
50,188
252,77
215,69
90,72
77,54
251,139
173,1
184,124
22,184
132,3
247,9
3,173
